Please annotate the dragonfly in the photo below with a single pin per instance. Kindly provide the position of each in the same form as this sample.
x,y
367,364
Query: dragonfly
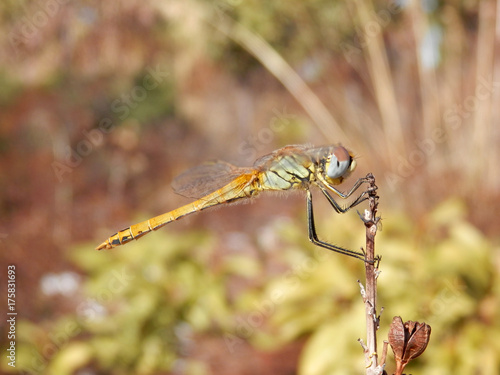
x,y
295,167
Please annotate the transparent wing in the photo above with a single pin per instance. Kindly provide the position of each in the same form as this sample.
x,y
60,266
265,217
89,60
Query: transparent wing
x,y
204,179
263,162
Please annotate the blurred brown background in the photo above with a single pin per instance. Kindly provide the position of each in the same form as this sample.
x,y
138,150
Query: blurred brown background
x,y
104,103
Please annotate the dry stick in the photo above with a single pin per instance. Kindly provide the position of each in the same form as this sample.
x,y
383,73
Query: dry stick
x,y
370,291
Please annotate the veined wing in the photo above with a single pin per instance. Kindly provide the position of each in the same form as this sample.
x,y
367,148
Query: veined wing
x,y
265,161
206,178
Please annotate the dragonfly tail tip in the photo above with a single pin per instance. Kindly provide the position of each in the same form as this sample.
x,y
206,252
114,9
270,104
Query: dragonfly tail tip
x,y
104,245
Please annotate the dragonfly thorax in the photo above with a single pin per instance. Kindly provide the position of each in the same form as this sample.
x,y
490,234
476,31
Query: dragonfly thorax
x,y
289,171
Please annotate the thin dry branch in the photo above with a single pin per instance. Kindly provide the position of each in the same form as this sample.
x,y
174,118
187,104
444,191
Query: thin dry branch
x,y
370,290
275,64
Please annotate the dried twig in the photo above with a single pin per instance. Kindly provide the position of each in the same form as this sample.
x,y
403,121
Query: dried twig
x,y
408,340
370,290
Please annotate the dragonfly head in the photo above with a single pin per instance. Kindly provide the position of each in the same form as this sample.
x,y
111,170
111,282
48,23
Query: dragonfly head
x,y
339,165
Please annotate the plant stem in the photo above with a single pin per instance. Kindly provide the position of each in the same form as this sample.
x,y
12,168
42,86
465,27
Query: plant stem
x,y
370,219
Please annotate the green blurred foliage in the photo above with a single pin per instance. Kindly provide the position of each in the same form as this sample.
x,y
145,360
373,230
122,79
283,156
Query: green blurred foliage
x,y
441,271
139,307
142,303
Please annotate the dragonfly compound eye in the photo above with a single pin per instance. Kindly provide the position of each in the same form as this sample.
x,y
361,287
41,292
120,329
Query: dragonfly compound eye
x,y
340,162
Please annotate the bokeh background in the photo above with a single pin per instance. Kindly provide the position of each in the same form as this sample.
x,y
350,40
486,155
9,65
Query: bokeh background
x,y
104,103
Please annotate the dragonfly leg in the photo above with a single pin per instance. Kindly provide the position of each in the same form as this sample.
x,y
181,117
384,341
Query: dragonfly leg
x,y
355,187
337,207
313,237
